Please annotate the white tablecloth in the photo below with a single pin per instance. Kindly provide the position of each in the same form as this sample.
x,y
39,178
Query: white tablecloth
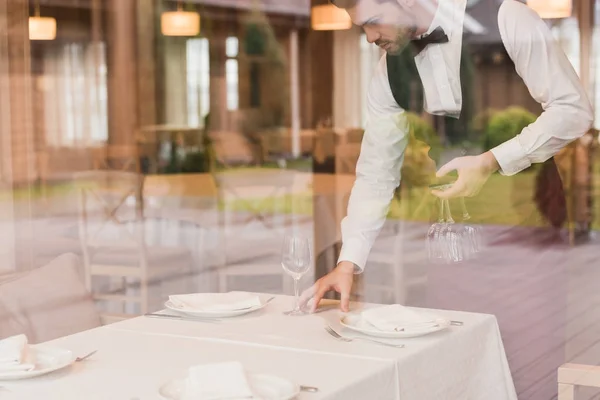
x,y
137,356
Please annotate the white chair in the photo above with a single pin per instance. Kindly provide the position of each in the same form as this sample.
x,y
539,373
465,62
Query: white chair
x,y
252,238
115,250
116,157
572,375
48,302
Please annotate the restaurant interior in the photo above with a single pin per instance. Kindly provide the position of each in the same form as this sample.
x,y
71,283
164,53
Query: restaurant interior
x,y
159,156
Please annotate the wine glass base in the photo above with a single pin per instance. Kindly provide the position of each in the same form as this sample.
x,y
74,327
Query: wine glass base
x,y
295,313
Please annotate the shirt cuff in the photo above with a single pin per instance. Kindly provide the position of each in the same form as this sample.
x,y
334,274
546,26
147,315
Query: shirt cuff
x,y
356,252
511,157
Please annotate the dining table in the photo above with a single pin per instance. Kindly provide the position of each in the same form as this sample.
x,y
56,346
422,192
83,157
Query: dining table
x,y
136,357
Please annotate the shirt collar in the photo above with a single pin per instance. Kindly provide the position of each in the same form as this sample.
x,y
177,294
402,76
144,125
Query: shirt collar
x,y
445,16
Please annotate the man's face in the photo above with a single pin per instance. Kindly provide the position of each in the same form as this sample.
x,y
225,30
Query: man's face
x,y
386,23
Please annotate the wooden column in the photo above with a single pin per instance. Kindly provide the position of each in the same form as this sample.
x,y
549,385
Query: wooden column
x,y
122,71
295,92
218,84
321,52
146,66
321,91
347,101
17,165
582,168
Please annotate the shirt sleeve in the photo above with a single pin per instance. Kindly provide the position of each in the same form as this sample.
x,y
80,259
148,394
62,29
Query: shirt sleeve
x,y
377,170
551,81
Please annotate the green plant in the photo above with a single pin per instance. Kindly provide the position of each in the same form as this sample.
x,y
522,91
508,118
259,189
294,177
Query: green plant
x,y
423,149
505,125
195,162
255,42
422,131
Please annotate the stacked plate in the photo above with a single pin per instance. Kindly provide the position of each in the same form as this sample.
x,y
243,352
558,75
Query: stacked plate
x,y
394,322
19,360
216,305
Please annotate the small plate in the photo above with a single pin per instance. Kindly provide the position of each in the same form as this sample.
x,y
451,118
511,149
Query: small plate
x,y
266,387
216,314
47,359
357,324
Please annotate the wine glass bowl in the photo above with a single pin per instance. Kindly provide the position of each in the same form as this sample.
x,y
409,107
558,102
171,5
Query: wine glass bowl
x,y
295,261
451,242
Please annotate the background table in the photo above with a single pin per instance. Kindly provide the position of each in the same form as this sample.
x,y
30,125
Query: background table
x,y
137,356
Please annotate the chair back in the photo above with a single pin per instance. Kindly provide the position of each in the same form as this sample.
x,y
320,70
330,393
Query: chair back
x,y
110,214
48,302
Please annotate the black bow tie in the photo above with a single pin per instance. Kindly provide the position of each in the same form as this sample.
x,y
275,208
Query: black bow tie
x,y
437,36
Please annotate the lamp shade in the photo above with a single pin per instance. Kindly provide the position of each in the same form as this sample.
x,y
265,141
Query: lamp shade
x,y
328,17
42,28
180,23
552,8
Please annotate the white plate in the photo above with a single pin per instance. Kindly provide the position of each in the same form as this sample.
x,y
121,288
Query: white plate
x,y
47,359
266,387
216,314
356,323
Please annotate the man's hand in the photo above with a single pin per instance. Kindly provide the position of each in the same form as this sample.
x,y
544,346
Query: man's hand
x,y
340,280
473,172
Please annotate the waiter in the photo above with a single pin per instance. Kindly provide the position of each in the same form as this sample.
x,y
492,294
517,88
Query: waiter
x,y
433,31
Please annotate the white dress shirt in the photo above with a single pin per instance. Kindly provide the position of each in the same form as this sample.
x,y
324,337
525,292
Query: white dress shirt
x,y
539,61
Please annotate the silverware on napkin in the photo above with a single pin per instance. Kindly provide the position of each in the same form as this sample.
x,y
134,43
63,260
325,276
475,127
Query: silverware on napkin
x,y
309,389
336,335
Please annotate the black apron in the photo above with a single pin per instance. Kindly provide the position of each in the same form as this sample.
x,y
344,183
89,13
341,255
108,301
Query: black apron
x,y
519,276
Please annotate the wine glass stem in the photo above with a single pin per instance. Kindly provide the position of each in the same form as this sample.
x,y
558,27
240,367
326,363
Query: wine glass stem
x,y
466,215
449,218
296,294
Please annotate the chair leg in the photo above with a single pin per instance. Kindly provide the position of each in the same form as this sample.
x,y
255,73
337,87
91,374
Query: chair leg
x,y
566,391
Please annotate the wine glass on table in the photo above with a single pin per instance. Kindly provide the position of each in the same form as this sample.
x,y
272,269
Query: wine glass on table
x,y
295,260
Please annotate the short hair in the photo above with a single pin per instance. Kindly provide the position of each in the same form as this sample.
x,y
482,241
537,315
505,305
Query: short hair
x,y
344,3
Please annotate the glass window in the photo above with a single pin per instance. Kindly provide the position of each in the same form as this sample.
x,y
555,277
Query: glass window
x,y
231,46
231,73
198,81
75,94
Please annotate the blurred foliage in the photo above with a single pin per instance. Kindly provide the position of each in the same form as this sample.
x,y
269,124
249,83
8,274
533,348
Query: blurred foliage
x,y
195,162
423,150
505,125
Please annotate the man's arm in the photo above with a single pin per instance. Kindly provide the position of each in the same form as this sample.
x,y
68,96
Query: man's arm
x,y
551,81
377,170
377,176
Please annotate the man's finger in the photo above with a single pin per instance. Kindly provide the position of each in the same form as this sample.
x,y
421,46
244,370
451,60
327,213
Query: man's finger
x,y
455,191
448,167
321,290
307,295
345,299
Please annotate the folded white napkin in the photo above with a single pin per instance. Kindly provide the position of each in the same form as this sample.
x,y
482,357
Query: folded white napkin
x,y
217,382
215,301
13,355
399,318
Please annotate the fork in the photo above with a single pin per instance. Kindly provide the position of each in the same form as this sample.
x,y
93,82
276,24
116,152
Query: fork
x,y
336,335
78,359
185,318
